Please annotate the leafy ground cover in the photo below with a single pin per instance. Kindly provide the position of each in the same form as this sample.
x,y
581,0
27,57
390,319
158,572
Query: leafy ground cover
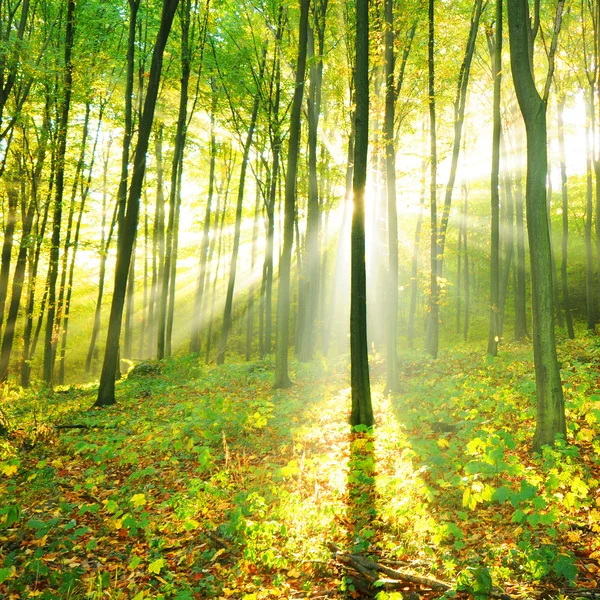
x,y
203,482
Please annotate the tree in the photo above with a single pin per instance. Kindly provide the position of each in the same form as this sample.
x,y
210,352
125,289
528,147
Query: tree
x,y
127,233
282,378
362,410
550,420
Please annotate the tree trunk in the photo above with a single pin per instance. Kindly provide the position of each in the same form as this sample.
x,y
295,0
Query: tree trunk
x,y
494,328
392,381
227,313
565,219
433,322
589,216
459,118
362,411
106,390
196,322
251,289
51,333
282,379
159,225
550,420
104,246
520,292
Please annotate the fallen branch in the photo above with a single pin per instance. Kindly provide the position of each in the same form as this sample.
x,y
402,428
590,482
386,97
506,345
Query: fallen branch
x,y
395,579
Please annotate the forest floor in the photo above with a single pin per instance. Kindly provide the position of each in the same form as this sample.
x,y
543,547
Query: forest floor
x,y
202,482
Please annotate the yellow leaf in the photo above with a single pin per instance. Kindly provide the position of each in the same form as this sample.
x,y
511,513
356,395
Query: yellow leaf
x,y
9,470
443,443
138,500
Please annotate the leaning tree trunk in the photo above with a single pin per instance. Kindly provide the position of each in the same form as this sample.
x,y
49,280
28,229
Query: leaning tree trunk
x,y
550,420
106,390
282,379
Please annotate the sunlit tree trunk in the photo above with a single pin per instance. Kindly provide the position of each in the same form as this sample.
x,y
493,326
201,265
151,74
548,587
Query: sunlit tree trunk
x,y
105,241
227,313
459,118
392,381
282,379
494,327
198,307
550,420
362,411
252,287
520,291
589,216
432,336
106,390
159,226
414,275
51,333
565,219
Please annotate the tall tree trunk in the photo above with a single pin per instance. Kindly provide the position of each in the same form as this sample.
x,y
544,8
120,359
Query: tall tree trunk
x,y
12,189
494,328
459,118
565,218
433,322
218,233
159,225
51,333
282,379
106,390
520,292
392,381
362,411
196,322
312,262
104,247
414,276
227,313
251,289
555,287
589,216
129,308
550,420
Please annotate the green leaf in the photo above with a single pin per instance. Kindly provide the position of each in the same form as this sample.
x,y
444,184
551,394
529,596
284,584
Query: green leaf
x,y
156,566
501,494
4,575
518,516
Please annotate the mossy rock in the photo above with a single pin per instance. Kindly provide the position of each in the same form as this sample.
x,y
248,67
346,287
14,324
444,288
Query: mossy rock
x,y
143,369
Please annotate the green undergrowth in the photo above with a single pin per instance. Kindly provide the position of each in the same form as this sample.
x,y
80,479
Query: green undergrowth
x,y
204,482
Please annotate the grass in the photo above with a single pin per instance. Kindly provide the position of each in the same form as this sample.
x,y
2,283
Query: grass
x,y
203,482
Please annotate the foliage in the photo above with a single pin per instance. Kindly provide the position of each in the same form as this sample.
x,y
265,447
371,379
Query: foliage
x,y
204,483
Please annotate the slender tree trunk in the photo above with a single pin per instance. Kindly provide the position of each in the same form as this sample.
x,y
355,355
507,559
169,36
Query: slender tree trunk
x,y
12,189
282,379
494,328
589,216
555,285
227,313
459,118
160,244
520,292
106,390
104,247
196,323
362,411
414,276
210,255
507,266
433,323
129,308
392,381
565,218
51,333
251,289
144,320
550,420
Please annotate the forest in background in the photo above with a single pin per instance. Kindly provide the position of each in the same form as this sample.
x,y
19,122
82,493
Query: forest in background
x,y
204,274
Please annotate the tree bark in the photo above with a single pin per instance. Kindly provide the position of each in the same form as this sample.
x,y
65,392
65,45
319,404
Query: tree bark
x,y
494,328
362,410
106,390
550,420
282,379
